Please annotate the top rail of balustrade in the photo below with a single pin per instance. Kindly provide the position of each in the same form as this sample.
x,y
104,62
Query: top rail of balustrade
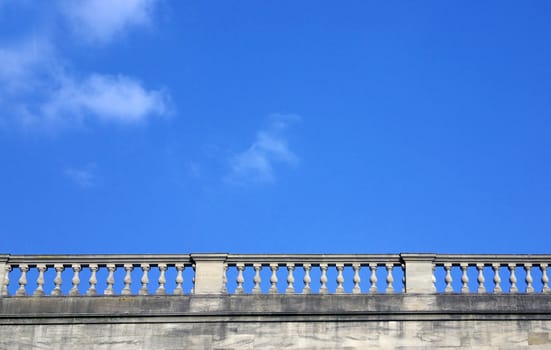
x,y
492,259
437,259
298,259
230,259
99,259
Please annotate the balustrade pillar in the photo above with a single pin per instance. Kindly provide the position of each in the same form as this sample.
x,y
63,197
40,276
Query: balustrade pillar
x,y
512,279
161,290
75,280
179,290
145,279
480,279
448,279
58,280
418,272
323,279
373,278
307,279
464,278
356,279
4,275
389,278
529,279
110,281
273,279
290,279
127,279
240,279
209,273
340,279
39,291
24,268
544,279
497,278
257,279
433,278
92,281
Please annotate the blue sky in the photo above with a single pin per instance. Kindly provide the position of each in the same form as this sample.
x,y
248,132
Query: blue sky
x,y
290,126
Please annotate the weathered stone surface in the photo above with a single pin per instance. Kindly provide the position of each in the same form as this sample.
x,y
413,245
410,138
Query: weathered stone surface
x,y
281,335
406,322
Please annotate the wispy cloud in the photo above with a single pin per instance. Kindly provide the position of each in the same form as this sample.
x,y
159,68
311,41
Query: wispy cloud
x,y
109,98
39,91
100,21
84,177
256,163
23,64
40,88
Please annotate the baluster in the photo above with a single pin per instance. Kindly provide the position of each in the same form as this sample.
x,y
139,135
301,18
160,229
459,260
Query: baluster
x,y
544,279
403,267
145,279
257,279
5,291
497,279
389,278
448,278
464,278
93,280
356,279
40,280
481,288
290,279
273,278
512,279
240,279
433,279
179,290
323,279
22,280
110,280
58,280
340,279
75,280
529,279
161,289
373,278
224,278
307,279
127,279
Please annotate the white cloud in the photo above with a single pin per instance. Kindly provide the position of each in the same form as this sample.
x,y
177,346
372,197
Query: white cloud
x,y
84,177
99,21
37,90
22,65
256,163
109,98
40,88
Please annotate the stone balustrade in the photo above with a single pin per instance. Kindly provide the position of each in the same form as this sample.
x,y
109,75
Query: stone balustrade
x,y
492,273
79,275
410,273
315,273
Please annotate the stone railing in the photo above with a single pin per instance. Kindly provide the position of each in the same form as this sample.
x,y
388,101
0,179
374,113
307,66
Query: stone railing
x,y
492,273
316,273
79,275
92,275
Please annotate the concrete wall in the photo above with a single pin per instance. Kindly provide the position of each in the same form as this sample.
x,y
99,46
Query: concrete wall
x,y
277,322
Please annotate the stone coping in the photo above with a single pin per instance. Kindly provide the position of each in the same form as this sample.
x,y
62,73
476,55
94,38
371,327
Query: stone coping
x,y
272,308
